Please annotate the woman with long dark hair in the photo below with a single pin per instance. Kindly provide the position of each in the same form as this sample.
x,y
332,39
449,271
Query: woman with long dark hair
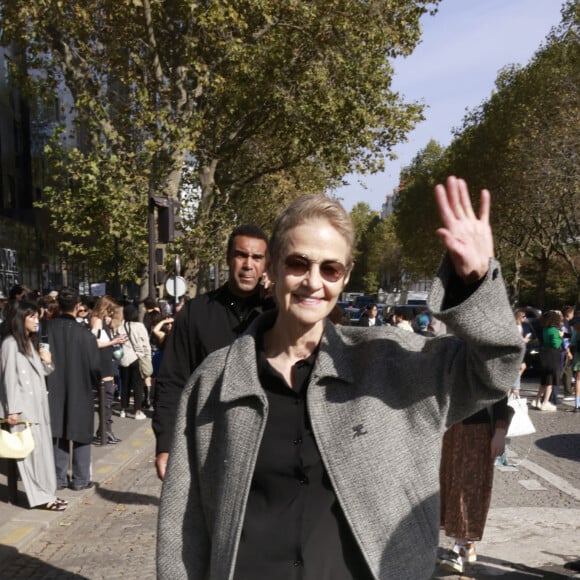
x,y
23,398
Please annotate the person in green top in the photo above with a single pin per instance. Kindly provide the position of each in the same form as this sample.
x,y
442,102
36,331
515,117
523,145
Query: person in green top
x,y
549,360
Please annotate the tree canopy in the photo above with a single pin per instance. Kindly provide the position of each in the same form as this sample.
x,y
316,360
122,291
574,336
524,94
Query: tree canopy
x,y
255,97
521,144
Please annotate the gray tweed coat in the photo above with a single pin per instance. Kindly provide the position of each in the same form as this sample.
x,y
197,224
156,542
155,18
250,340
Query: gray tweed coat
x,y
404,389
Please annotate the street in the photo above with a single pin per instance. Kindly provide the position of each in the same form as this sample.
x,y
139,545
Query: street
x,y
109,532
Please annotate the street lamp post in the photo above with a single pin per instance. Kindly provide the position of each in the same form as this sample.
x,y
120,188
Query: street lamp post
x,y
151,241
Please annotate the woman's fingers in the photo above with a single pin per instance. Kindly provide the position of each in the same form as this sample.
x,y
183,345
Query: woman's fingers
x,y
484,205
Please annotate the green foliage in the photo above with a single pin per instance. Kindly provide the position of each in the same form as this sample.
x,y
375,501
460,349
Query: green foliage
x,y
239,90
92,201
416,215
521,144
370,283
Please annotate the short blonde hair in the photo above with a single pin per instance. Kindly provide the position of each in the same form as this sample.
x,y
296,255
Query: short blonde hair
x,y
308,208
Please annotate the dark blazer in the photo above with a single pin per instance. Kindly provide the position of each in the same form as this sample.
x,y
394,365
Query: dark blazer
x,y
77,370
204,325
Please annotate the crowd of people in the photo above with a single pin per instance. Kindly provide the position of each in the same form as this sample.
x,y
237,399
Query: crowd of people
x,y
60,355
275,422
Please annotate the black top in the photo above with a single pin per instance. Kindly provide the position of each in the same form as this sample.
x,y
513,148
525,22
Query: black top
x,y
106,354
294,527
202,326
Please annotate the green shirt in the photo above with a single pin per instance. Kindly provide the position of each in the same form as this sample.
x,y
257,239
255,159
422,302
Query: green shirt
x,y
551,337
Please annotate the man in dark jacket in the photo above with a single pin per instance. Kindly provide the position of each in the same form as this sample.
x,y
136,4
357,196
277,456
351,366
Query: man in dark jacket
x,y
206,324
70,392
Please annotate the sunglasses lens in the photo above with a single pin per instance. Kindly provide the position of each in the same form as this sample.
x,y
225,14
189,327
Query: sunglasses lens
x,y
297,265
332,271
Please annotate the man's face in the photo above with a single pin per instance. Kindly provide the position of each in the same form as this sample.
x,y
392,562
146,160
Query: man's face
x,y
373,312
247,262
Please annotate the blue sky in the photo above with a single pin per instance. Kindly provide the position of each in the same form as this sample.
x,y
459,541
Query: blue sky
x,y
453,69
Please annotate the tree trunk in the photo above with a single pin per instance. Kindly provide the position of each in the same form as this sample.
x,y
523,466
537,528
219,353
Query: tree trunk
x,y
542,277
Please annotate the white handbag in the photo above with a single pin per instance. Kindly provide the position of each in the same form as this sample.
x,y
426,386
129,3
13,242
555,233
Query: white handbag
x,y
18,444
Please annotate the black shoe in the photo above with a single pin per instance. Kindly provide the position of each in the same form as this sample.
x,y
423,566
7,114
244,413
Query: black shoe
x,y
89,485
111,439
146,404
575,564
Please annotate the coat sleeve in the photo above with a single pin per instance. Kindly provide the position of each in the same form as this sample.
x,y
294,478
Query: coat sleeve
x,y
12,400
144,342
93,357
183,544
481,363
177,364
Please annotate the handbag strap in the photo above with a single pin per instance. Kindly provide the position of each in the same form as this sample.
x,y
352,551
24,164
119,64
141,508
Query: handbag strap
x,y
128,333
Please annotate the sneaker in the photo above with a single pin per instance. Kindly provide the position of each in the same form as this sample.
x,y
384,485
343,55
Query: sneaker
x,y
139,416
122,414
534,404
569,398
466,551
547,406
451,562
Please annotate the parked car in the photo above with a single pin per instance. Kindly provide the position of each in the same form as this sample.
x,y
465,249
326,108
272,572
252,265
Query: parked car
x,y
363,301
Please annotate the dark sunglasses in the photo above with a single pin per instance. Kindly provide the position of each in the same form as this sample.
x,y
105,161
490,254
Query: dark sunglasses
x,y
82,310
330,270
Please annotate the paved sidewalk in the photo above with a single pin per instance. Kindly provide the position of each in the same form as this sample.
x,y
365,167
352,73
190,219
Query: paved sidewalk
x,y
533,527
20,526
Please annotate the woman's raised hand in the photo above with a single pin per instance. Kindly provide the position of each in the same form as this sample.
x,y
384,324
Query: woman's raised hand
x,y
468,238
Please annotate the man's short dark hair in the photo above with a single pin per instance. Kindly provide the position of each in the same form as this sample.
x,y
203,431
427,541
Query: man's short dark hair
x,y
68,298
149,303
248,230
130,313
16,290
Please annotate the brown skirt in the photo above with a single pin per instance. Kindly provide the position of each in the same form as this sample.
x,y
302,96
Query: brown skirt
x,y
466,476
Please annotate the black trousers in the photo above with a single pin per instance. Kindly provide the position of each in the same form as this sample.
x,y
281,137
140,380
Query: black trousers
x,y
132,381
109,387
81,462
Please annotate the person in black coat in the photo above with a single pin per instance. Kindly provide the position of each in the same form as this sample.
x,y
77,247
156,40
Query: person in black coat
x,y
70,391
206,324
370,316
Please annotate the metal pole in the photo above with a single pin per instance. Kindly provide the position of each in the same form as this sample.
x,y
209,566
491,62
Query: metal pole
x,y
177,273
151,241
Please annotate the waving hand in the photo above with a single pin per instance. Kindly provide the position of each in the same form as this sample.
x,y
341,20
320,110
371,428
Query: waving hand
x,y
468,238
